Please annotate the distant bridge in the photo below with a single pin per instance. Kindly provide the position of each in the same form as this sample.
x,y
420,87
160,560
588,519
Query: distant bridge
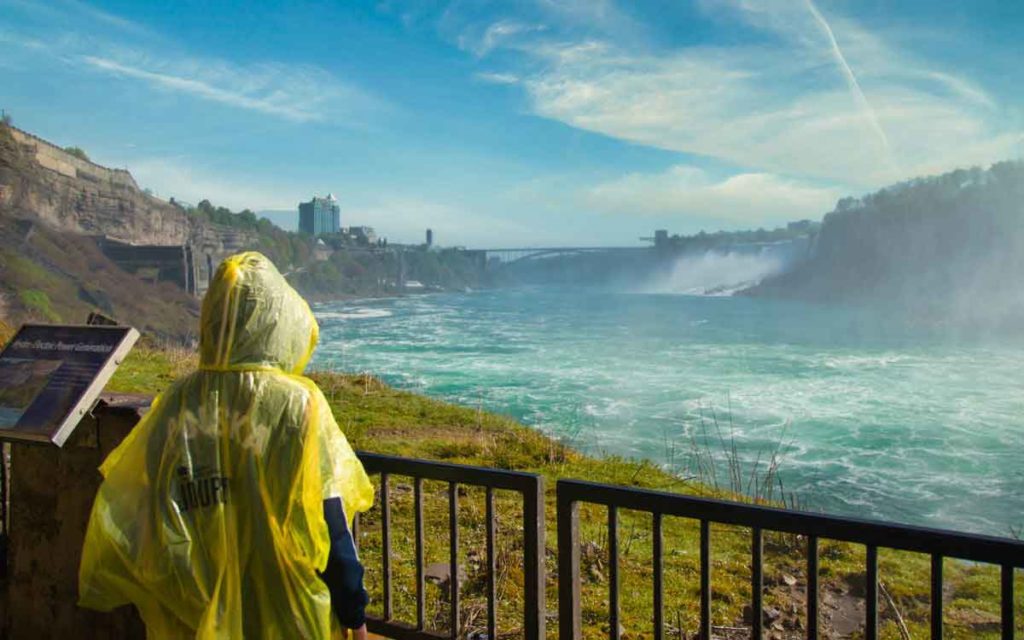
x,y
521,254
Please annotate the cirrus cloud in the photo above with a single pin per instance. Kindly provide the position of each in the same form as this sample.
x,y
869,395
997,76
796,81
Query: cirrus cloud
x,y
685,190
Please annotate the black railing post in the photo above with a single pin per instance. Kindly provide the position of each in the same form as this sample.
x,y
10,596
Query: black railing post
x,y
871,593
613,573
453,558
1007,601
385,534
705,580
492,566
535,573
936,613
569,618
812,587
756,582
421,587
659,568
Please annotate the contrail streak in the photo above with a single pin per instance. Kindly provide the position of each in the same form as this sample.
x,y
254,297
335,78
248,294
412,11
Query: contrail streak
x,y
851,81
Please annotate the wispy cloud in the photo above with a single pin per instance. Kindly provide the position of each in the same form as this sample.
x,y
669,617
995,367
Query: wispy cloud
x,y
688,191
494,35
80,35
498,78
821,99
269,89
188,180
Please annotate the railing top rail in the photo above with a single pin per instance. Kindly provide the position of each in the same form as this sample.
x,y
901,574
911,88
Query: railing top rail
x,y
448,472
967,546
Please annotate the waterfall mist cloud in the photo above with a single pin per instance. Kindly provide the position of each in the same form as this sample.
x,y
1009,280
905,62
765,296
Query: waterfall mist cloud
x,y
716,272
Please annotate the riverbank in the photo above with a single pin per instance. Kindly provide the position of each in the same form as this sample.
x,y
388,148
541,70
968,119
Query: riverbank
x,y
379,418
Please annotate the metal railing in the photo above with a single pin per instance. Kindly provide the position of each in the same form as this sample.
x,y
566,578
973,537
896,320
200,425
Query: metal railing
x,y
939,544
529,485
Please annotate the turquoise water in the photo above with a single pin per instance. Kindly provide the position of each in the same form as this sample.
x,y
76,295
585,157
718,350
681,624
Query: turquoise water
x,y
878,418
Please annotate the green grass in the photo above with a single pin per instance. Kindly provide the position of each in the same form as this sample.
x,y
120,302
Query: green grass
x,y
378,418
37,302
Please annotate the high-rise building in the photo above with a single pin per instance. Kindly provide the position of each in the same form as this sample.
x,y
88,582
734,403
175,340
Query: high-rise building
x,y
320,215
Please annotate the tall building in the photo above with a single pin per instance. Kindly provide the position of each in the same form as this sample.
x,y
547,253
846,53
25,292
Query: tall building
x,y
320,215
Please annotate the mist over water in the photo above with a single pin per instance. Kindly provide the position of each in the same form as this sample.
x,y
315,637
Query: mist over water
x,y
716,273
885,419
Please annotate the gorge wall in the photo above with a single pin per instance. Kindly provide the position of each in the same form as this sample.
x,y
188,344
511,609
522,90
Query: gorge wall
x,y
42,182
943,248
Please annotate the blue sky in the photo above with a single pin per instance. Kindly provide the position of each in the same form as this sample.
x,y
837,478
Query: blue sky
x,y
534,122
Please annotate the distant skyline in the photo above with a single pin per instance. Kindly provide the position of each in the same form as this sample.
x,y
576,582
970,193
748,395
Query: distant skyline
x,y
537,122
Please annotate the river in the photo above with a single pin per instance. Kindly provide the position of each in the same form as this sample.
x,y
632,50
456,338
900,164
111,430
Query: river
x,y
876,417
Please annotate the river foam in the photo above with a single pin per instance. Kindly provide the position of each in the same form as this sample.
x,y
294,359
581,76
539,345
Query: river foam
x,y
876,418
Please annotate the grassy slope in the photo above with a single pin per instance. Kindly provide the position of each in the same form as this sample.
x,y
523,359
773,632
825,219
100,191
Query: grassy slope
x,y
57,277
382,419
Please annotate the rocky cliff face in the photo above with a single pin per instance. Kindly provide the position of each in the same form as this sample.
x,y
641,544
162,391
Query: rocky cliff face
x,y
43,183
40,180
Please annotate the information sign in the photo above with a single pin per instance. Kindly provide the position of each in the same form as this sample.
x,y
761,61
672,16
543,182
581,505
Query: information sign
x,y
50,376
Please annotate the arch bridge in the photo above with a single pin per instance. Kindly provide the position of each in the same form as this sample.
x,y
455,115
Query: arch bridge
x,y
509,256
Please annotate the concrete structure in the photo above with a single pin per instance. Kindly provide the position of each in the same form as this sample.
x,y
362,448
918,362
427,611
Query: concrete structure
x,y
430,238
320,216
661,238
154,263
363,235
51,495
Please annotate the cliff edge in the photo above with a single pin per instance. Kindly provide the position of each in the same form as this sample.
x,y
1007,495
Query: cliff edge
x,y
946,248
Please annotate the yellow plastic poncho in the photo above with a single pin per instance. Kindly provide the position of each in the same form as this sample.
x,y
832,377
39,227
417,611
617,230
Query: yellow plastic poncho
x,y
210,515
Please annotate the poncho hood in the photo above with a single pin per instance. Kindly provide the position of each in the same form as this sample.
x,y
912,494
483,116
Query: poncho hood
x,y
253,319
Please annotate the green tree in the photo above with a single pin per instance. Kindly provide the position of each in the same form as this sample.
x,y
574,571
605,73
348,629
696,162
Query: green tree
x,y
78,152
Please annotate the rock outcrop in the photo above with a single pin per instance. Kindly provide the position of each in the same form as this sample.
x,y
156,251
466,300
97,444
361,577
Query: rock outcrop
x,y
74,195
41,182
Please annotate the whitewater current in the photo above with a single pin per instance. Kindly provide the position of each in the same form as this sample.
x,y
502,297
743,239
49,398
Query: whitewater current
x,y
876,417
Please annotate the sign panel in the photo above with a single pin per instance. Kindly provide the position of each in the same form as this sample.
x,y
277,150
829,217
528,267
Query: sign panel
x,y
51,375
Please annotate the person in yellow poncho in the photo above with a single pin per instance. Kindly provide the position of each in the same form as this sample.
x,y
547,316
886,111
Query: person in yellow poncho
x,y
226,511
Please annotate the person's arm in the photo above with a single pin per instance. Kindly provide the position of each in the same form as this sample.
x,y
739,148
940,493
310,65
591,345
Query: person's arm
x,y
344,573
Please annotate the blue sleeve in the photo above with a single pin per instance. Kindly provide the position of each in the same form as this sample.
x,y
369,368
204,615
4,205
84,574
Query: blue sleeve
x,y
344,573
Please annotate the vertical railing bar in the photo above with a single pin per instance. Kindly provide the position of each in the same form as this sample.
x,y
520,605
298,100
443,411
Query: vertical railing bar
x,y
936,613
385,534
1007,601
658,565
492,568
871,593
421,589
569,619
613,572
812,587
705,579
756,583
534,558
453,564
